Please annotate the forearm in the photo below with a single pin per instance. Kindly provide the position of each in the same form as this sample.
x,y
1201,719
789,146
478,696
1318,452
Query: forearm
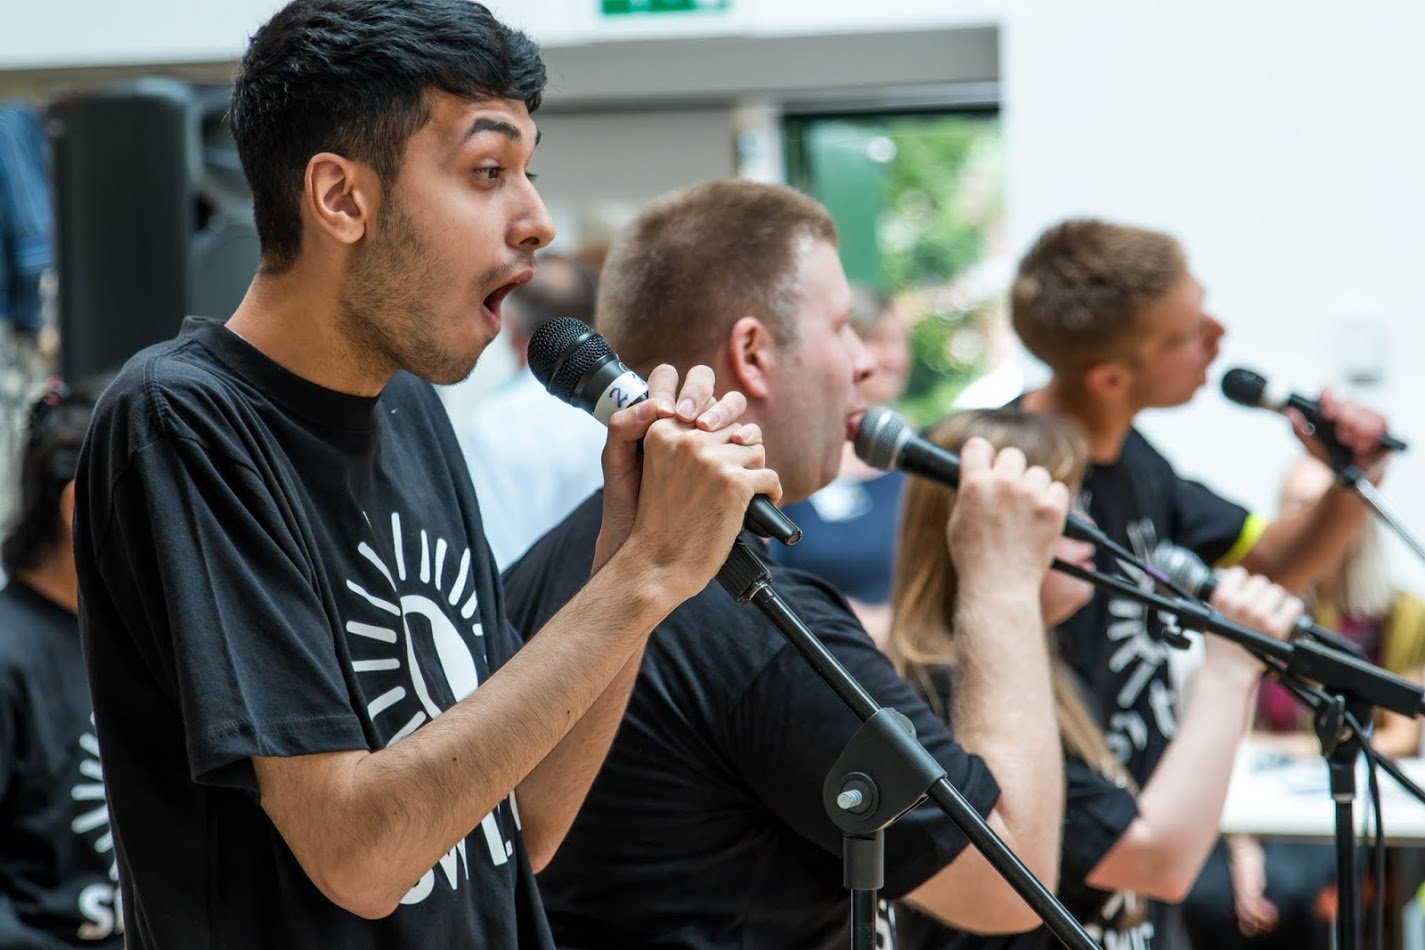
x,y
1180,808
550,796
1298,550
367,829
1003,710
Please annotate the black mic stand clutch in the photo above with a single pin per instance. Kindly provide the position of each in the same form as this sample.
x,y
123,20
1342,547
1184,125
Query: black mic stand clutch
x,y
882,773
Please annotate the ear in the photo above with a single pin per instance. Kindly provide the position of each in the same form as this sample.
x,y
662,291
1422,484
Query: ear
x,y
66,508
340,196
752,355
1107,380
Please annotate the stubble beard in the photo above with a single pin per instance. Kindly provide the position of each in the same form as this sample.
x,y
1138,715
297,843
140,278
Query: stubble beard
x,y
384,311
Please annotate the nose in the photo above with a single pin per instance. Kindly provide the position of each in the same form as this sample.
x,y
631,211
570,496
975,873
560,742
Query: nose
x,y
862,365
533,228
1214,330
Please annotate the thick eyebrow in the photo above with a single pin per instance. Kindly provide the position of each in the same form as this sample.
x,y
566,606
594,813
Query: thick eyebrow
x,y
508,130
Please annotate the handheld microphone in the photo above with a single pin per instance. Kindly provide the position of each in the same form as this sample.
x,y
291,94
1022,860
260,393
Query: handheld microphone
x,y
1247,388
578,366
886,440
1189,570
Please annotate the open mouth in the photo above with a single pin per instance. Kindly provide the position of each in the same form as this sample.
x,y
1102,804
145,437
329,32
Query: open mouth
x,y
497,297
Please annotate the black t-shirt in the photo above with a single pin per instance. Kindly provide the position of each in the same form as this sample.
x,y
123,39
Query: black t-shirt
x,y
1114,643
1096,814
705,827
58,880
850,538
268,567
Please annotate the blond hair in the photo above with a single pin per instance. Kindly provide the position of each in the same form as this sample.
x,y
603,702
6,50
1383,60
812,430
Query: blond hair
x,y
694,262
1079,294
922,638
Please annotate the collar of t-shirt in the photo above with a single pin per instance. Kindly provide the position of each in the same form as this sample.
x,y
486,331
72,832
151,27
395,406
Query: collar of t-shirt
x,y
292,393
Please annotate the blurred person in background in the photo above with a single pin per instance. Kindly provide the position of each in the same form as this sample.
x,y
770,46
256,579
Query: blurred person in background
x,y
58,879
705,828
531,456
1257,893
849,527
1122,847
1120,320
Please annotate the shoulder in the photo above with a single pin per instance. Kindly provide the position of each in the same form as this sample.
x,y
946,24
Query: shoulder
x,y
1137,450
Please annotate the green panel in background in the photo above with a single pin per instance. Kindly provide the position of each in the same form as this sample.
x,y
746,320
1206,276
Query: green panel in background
x,y
621,7
846,171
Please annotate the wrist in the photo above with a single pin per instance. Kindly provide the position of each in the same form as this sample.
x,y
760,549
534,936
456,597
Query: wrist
x,y
1236,673
646,590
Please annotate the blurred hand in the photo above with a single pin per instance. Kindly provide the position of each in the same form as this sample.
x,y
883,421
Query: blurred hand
x,y
1252,601
1247,867
682,499
1357,428
1006,519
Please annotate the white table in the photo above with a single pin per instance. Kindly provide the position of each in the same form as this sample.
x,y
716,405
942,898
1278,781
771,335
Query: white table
x,y
1292,800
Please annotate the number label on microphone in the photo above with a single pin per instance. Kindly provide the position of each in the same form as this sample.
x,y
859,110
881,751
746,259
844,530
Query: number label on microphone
x,y
623,392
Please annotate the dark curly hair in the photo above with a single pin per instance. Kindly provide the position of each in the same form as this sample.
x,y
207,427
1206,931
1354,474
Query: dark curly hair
x,y
350,77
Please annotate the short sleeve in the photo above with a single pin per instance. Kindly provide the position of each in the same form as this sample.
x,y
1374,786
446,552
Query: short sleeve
x,y
788,728
204,562
1215,529
1096,814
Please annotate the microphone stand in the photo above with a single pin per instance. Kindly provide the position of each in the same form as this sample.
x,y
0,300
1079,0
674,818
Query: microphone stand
x,y
1350,688
1354,479
882,773
1350,476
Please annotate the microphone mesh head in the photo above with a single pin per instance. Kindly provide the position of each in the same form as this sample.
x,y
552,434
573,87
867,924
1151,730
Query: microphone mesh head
x,y
1181,565
879,437
562,351
1244,387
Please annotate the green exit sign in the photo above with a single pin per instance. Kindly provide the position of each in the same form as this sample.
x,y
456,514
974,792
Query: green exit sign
x,y
621,7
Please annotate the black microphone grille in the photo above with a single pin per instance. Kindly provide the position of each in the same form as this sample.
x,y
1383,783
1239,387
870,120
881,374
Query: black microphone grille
x,y
880,436
1244,387
562,351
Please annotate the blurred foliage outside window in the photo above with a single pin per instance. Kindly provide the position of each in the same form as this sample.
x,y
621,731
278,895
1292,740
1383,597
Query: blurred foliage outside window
x,y
918,204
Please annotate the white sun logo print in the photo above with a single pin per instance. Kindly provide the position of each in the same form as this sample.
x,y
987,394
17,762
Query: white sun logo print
x,y
417,661
101,905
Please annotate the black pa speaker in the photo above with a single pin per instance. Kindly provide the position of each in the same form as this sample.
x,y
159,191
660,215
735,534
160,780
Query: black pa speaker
x,y
153,218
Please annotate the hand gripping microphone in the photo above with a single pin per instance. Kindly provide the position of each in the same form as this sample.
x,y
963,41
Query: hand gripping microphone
x,y
578,366
1188,569
1249,389
886,440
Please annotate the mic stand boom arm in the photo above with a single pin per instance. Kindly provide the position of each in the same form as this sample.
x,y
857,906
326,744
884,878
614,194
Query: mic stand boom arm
x,y
883,773
1337,672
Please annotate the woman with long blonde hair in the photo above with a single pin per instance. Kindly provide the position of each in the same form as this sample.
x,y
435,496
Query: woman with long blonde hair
x,y
1120,844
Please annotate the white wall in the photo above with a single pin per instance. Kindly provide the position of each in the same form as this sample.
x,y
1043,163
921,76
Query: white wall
x,y
1281,141
70,33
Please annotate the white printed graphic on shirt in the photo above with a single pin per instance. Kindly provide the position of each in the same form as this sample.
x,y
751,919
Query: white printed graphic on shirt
x,y
1137,657
101,905
426,595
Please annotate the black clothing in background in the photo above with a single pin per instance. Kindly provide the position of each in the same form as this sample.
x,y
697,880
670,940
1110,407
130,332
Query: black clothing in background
x,y
58,880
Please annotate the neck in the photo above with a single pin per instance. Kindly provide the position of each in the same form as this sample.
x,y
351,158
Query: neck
x,y
294,319
1105,426
853,469
53,579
